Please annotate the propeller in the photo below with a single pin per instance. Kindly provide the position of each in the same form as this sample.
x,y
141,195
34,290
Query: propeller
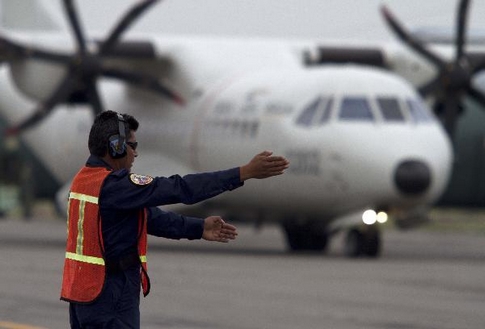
x,y
454,79
85,66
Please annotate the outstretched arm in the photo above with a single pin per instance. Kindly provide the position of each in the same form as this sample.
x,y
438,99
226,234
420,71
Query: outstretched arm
x,y
215,229
264,165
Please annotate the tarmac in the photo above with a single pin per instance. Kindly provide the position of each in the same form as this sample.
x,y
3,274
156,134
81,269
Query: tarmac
x,y
423,280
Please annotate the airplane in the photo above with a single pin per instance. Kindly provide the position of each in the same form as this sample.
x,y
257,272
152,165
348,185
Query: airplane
x,y
362,142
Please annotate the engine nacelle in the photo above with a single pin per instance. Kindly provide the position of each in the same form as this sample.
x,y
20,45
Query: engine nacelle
x,y
36,79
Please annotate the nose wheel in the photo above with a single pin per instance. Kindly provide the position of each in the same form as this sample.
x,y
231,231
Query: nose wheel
x,y
305,236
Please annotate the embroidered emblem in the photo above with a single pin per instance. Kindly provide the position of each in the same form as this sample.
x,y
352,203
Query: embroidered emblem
x,y
140,179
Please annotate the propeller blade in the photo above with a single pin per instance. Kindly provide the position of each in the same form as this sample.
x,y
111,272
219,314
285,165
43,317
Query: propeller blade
x,y
10,47
75,25
133,14
45,108
144,81
94,98
477,95
461,28
480,65
406,37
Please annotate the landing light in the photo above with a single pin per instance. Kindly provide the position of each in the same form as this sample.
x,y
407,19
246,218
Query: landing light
x,y
381,217
370,217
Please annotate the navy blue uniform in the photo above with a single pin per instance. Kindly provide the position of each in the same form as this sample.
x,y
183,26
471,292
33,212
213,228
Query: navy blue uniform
x,y
120,201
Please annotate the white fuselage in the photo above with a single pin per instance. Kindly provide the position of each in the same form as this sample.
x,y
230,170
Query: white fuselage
x,y
336,166
242,98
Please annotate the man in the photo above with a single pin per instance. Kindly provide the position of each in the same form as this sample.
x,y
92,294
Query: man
x,y
111,211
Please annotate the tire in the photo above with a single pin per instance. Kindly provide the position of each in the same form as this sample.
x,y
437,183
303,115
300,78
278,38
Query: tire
x,y
305,237
354,242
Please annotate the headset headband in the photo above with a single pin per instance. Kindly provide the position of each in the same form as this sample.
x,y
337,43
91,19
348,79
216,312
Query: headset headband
x,y
121,124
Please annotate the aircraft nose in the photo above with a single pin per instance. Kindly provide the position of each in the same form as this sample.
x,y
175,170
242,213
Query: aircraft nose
x,y
412,176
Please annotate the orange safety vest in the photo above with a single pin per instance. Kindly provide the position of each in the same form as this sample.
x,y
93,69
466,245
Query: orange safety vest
x,y
84,265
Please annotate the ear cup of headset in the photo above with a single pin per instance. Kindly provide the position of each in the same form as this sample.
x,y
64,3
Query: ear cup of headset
x,y
117,143
117,149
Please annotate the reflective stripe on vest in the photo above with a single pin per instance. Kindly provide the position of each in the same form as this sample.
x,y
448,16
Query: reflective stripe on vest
x,y
94,260
83,197
85,259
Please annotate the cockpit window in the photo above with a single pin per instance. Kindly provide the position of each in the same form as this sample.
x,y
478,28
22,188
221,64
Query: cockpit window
x,y
327,107
319,110
316,113
355,108
390,109
306,117
418,110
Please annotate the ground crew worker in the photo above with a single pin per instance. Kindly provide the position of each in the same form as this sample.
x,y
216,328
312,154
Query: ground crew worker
x,y
111,210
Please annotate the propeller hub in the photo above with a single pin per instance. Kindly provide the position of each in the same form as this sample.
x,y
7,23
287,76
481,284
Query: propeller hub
x,y
87,65
454,79
457,76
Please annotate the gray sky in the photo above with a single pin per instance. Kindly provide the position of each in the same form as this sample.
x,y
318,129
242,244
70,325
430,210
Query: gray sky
x,y
322,19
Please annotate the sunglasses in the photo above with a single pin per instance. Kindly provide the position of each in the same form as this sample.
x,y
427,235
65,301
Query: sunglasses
x,y
133,145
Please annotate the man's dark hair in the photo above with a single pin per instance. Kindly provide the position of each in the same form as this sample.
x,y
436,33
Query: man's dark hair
x,y
106,125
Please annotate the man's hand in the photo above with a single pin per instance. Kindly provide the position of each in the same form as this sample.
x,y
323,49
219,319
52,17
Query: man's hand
x,y
215,229
264,165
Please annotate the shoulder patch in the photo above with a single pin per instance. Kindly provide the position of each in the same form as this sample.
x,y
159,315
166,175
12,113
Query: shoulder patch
x,y
140,180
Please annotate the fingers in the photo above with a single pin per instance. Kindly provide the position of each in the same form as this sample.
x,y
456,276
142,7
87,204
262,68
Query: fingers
x,y
265,153
227,232
228,228
275,165
275,160
225,237
263,165
215,229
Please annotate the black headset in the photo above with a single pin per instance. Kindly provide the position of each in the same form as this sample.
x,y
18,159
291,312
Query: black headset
x,y
117,143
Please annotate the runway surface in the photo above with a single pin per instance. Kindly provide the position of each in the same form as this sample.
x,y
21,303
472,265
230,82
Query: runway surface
x,y
422,280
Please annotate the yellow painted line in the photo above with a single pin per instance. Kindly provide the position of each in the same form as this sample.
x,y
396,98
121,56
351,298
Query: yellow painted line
x,y
13,325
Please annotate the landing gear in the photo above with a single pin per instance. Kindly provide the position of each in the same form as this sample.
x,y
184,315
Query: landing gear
x,y
364,241
305,236
308,235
